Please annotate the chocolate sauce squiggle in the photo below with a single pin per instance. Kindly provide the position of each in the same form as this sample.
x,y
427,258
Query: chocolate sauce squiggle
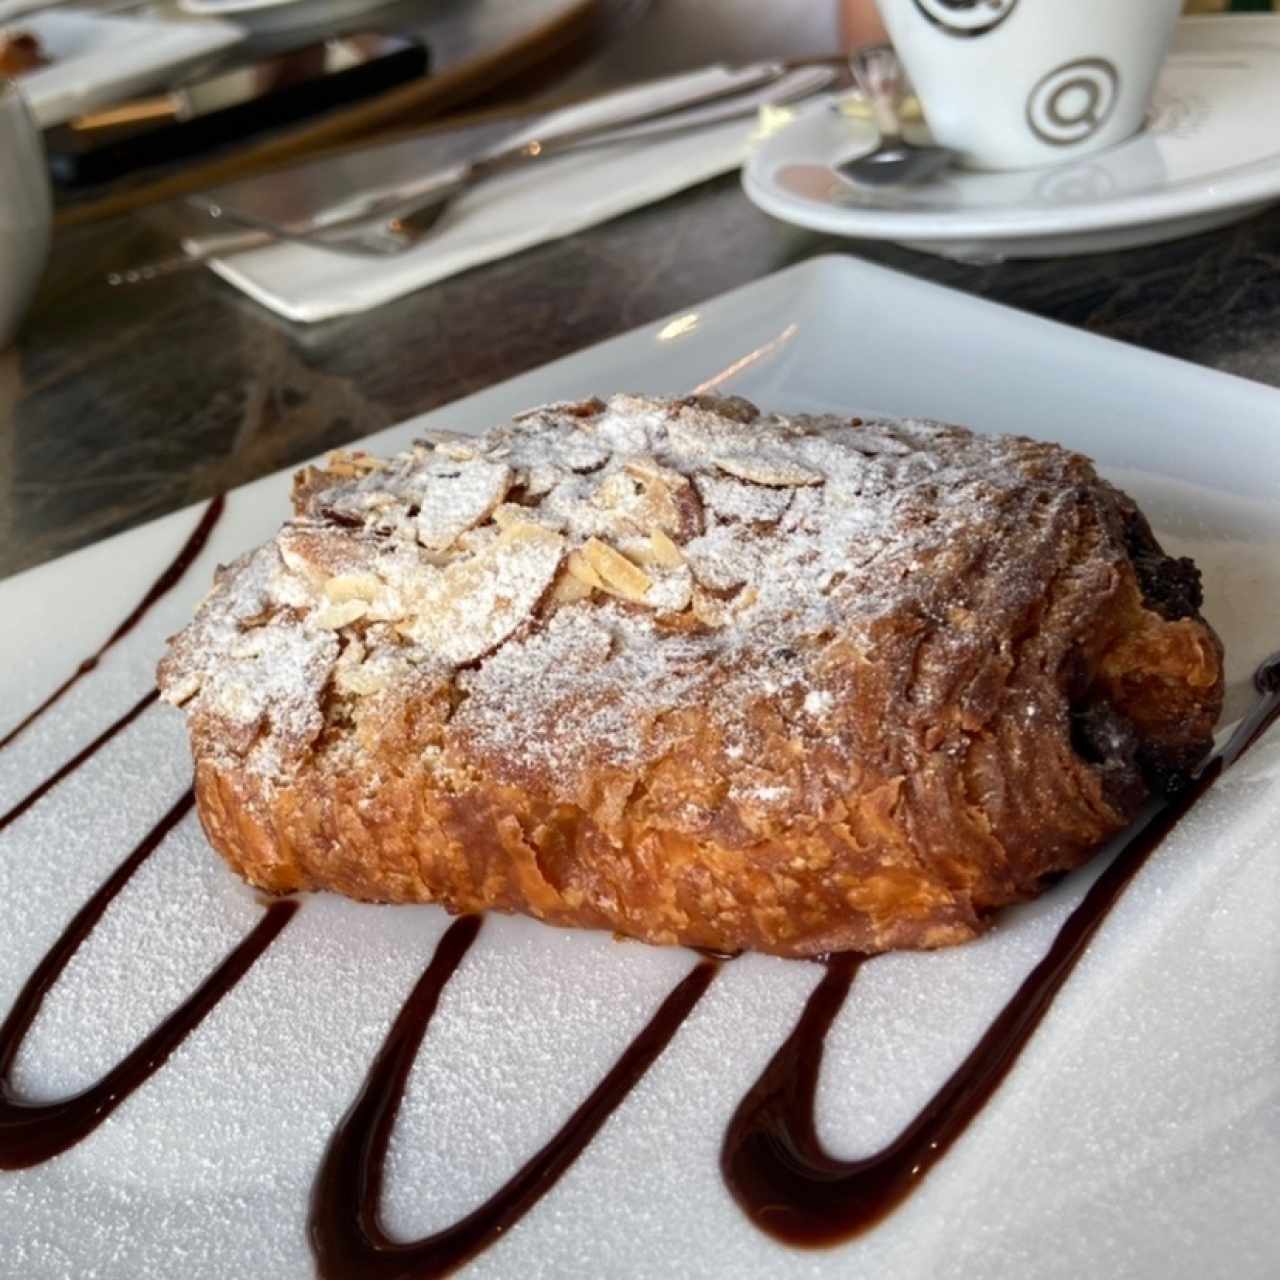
x,y
346,1235
162,586
772,1158
31,1133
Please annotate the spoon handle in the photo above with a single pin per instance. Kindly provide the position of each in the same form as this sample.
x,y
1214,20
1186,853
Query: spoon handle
x,y
878,75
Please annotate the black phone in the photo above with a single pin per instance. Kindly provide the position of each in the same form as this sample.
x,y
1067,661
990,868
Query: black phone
x,y
232,105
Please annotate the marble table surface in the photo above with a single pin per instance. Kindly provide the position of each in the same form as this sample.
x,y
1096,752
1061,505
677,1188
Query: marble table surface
x,y
118,405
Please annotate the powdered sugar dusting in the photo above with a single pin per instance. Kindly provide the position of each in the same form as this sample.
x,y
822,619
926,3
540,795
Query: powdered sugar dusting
x,y
592,685
589,568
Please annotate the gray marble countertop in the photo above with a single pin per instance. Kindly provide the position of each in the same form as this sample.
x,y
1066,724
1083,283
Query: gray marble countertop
x,y
118,405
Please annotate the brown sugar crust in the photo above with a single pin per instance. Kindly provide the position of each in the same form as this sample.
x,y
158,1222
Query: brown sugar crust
x,y
697,675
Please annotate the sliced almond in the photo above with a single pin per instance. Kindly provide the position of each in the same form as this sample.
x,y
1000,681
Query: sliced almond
x,y
473,604
771,470
649,470
670,499
644,495
458,452
709,609
538,480
615,492
665,552
580,567
319,553
334,616
569,588
521,531
337,464
351,586
349,465
454,503
735,500
360,679
506,514
618,574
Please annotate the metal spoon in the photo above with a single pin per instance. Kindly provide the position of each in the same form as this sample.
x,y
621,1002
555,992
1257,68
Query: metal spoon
x,y
895,161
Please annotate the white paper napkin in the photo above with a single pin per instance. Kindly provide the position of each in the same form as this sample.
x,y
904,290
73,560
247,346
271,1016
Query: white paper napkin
x,y
498,218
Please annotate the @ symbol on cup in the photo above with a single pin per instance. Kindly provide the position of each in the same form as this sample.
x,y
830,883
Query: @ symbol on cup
x,y
966,17
1072,102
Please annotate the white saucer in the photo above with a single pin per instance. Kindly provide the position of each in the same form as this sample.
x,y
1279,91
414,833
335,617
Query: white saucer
x,y
1210,155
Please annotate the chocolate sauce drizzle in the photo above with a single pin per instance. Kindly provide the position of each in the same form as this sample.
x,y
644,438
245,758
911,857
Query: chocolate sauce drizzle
x,y
31,1132
346,1235
162,585
773,1160
78,759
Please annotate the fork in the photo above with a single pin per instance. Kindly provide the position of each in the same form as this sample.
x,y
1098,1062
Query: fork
x,y
387,225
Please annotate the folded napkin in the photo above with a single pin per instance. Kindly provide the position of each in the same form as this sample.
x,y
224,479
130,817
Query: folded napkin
x,y
500,217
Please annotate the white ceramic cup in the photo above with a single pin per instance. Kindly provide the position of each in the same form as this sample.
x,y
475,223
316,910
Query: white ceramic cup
x,y
26,210
1011,84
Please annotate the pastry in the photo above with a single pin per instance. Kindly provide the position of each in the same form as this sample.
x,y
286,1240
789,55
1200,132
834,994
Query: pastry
x,y
697,675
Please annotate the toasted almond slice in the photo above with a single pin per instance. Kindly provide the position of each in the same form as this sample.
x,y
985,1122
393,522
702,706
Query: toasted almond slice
x,y
458,452
615,492
464,610
457,502
669,497
506,514
580,567
665,552
709,609
351,586
619,575
351,464
318,553
360,679
520,531
770,470
339,615
569,588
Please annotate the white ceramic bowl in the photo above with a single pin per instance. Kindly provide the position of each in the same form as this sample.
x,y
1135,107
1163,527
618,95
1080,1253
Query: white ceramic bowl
x,y
26,210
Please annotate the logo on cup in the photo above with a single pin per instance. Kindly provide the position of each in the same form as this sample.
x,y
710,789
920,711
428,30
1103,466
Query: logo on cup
x,y
1072,102
966,17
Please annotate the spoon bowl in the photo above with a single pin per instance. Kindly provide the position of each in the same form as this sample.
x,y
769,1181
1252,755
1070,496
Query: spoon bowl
x,y
894,161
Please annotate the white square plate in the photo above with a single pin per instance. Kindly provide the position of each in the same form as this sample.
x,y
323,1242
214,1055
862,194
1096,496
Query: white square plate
x,y
1138,1135
97,60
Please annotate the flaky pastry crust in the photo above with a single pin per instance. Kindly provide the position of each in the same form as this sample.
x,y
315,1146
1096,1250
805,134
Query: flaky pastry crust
x,y
696,675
